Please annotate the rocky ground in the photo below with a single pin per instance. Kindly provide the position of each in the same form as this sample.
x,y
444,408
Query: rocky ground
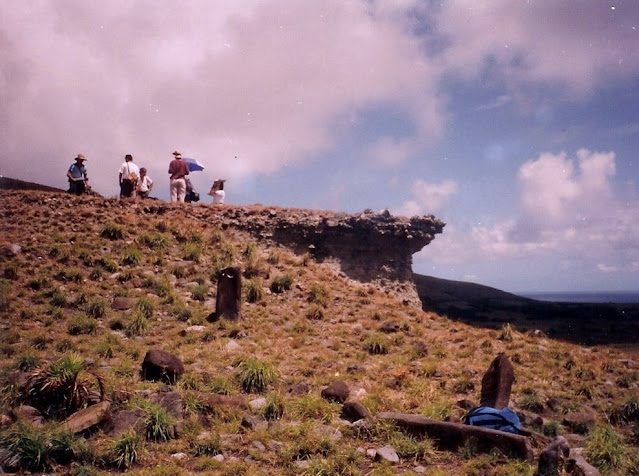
x,y
303,383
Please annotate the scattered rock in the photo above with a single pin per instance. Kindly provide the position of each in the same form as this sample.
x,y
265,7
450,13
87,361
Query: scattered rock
x,y
336,392
171,401
161,365
579,421
353,411
122,303
257,403
389,327
28,414
387,453
552,458
122,421
300,388
87,417
232,346
577,465
254,422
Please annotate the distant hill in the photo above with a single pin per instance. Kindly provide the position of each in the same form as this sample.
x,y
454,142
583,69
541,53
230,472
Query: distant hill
x,y
483,306
7,183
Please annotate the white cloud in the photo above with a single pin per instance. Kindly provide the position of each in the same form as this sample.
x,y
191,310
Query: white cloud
x,y
568,210
574,44
263,81
427,197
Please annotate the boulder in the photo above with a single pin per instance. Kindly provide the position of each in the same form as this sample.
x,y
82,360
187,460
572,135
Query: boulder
x,y
28,414
122,421
87,417
122,303
578,466
171,401
497,383
161,365
553,457
353,411
387,453
336,392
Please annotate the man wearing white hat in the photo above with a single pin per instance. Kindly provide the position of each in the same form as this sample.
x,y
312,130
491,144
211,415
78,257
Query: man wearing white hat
x,y
177,171
77,175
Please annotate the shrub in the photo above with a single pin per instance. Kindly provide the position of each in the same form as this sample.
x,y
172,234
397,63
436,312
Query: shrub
x,y
64,345
10,271
313,407
145,307
315,312
256,376
108,264
70,275
5,296
199,292
274,408
27,362
97,308
506,333
250,251
156,241
220,386
192,252
111,231
254,291
81,325
131,256
626,412
138,326
108,346
61,388
604,448
530,401
318,295
57,298
376,344
158,423
28,447
281,283
209,445
124,450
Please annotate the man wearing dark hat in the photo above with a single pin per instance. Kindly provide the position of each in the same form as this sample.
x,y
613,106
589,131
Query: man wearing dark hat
x,y
178,170
129,174
77,175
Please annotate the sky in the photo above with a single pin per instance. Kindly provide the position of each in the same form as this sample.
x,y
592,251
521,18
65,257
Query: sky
x,y
516,122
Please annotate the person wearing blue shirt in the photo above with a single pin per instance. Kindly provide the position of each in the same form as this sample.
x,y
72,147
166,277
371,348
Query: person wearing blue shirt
x,y
77,175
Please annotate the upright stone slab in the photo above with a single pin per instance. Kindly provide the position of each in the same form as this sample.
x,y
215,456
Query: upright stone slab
x,y
497,383
229,295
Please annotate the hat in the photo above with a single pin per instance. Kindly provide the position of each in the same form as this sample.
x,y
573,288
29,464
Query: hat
x,y
142,170
128,156
177,153
81,157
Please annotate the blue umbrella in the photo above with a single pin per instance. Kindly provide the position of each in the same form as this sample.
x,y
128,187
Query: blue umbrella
x,y
193,164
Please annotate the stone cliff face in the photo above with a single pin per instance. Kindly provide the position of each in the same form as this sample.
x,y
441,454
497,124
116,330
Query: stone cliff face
x,y
369,247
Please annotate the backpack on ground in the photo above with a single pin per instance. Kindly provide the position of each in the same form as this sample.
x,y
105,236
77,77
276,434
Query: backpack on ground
x,y
488,417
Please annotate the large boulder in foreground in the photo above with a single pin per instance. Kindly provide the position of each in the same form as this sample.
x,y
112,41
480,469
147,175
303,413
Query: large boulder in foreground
x,y
161,365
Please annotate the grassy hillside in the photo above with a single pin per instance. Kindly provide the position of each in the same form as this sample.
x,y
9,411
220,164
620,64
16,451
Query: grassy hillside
x,y
305,325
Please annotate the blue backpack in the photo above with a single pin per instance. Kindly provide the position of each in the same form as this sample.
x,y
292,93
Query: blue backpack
x,y
488,417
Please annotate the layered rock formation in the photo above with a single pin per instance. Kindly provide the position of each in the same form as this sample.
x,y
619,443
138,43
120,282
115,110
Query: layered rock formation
x,y
368,247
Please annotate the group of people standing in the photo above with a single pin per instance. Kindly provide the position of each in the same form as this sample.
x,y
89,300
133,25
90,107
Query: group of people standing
x,y
134,181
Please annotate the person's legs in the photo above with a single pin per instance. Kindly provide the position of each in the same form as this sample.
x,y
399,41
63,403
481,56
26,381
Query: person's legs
x,y
174,190
181,189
